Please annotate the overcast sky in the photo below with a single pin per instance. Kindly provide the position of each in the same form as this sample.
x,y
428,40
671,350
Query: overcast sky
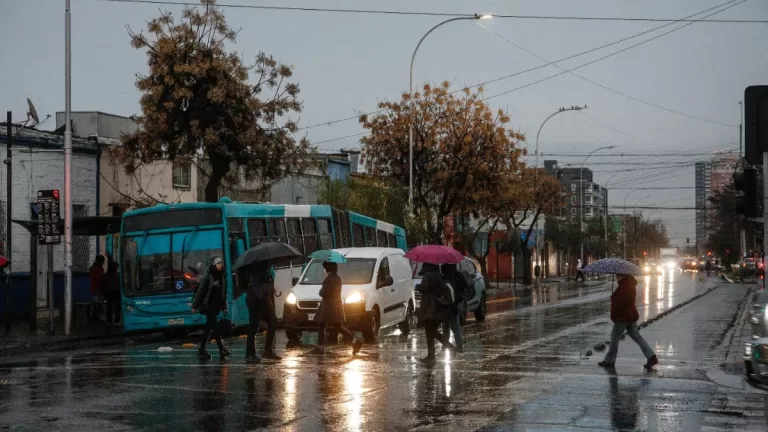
x,y
345,63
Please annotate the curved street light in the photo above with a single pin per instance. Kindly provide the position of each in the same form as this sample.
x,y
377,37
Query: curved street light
x,y
410,97
581,212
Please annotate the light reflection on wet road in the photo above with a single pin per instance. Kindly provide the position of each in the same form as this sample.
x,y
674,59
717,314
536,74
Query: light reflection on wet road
x,y
523,369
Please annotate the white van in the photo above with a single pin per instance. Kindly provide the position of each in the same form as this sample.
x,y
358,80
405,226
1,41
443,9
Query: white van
x,y
377,292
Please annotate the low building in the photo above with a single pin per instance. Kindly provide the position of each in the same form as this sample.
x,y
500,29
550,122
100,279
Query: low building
x,y
37,160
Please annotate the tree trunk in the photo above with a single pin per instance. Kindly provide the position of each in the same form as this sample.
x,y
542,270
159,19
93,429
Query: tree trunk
x,y
219,170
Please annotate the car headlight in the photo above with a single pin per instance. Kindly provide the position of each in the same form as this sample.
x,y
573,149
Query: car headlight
x,y
747,350
659,268
291,299
646,268
355,298
671,265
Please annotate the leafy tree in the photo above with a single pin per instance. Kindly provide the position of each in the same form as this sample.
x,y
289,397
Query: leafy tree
x,y
197,101
461,149
644,235
724,224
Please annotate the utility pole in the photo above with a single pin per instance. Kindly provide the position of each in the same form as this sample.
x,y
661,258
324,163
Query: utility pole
x,y
68,173
8,218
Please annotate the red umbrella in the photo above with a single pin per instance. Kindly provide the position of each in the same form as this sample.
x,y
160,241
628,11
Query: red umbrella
x,y
435,254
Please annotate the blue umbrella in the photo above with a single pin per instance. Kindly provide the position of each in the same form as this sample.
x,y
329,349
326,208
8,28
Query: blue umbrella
x,y
328,256
612,266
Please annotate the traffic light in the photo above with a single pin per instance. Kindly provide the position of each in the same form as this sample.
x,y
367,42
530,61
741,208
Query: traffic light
x,y
746,185
755,123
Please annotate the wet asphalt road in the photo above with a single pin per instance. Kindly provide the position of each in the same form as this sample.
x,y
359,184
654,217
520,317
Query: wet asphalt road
x,y
524,368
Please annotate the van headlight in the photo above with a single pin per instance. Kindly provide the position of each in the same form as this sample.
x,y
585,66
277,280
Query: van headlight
x,y
291,299
355,298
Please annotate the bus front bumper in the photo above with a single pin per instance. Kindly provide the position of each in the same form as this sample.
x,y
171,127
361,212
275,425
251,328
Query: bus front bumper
x,y
141,322
299,319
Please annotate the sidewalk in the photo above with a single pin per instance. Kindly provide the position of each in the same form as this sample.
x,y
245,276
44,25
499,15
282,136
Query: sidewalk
x,y
21,337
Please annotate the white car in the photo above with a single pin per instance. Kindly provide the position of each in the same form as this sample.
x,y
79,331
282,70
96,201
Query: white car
x,y
377,292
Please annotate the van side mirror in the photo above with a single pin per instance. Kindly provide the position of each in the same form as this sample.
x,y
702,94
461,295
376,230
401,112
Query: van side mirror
x,y
387,281
294,281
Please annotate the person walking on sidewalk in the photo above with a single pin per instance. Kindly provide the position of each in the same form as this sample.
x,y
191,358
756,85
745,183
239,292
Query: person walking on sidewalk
x,y
330,313
260,299
434,308
113,292
98,287
210,299
459,285
624,316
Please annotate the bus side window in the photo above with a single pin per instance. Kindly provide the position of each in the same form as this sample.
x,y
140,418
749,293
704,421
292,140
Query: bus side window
x,y
391,241
277,231
381,238
309,233
257,231
294,239
370,237
358,237
326,235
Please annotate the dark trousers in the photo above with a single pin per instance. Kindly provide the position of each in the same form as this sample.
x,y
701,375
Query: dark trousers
x,y
431,328
113,306
339,327
211,327
580,275
261,309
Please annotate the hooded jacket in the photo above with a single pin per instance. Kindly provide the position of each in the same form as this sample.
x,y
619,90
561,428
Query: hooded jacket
x,y
623,309
212,286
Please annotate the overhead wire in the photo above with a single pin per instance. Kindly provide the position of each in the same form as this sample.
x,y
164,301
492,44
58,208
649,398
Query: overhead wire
x,y
439,14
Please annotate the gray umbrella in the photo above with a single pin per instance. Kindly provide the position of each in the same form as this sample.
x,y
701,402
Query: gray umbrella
x,y
272,252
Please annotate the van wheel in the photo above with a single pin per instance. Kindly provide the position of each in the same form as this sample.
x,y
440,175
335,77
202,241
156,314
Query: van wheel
x,y
371,328
463,313
410,320
482,309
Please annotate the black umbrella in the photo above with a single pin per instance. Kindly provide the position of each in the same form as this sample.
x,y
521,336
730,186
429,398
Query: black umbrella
x,y
272,252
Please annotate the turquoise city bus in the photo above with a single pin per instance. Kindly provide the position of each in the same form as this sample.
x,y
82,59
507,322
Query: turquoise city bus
x,y
161,246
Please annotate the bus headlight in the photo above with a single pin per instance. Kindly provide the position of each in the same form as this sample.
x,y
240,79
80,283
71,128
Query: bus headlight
x,y
291,299
129,308
355,298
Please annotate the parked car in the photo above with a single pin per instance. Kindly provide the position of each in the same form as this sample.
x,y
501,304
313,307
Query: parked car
x,y
475,302
755,354
377,291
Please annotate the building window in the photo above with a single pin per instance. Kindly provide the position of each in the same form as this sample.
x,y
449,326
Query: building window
x,y
573,187
573,211
573,199
182,175
81,245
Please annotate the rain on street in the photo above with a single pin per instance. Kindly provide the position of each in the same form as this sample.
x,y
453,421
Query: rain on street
x,y
525,368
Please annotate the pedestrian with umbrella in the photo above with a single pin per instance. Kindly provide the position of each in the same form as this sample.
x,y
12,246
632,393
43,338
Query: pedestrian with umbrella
x,y
330,313
260,295
623,310
436,296
211,299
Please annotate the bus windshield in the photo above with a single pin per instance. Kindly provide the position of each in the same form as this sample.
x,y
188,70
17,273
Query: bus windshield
x,y
356,271
156,263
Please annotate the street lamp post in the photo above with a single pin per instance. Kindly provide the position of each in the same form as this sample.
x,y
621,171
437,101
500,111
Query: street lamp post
x,y
410,98
536,178
67,171
581,211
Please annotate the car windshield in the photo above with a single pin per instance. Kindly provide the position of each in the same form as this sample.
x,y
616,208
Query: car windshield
x,y
356,271
156,263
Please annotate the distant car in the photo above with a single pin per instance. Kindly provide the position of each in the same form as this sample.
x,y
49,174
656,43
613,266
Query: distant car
x,y
476,297
755,354
690,265
651,267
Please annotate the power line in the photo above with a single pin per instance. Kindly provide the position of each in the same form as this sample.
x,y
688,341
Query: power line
x,y
443,14
612,90
572,56
729,6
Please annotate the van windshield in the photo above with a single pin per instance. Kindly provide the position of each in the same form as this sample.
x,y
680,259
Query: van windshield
x,y
356,271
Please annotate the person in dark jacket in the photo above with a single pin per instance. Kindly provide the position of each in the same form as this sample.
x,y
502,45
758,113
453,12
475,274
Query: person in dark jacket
x,y
624,316
434,308
260,299
113,292
98,286
459,285
330,313
210,299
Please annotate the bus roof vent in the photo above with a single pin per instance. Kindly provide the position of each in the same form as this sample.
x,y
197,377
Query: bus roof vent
x,y
225,200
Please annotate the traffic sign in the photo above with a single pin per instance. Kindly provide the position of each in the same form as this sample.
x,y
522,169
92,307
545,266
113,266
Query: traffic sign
x,y
48,225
